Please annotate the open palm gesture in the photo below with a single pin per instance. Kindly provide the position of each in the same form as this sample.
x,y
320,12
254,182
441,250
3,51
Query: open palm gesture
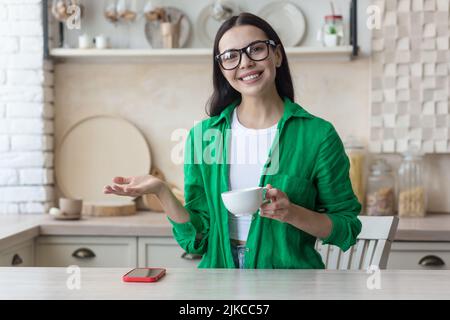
x,y
134,186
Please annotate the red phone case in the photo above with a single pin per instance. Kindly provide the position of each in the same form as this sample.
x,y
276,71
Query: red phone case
x,y
127,278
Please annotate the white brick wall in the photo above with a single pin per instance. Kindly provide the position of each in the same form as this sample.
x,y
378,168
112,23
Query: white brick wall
x,y
26,111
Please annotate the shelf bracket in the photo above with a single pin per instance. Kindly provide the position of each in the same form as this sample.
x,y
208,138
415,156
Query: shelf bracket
x,y
354,27
45,28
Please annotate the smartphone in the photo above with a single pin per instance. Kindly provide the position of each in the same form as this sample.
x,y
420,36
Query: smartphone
x,y
144,275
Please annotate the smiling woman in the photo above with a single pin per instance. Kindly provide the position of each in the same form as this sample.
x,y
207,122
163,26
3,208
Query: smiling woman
x,y
298,157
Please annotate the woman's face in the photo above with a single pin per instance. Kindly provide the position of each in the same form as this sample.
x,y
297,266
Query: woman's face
x,y
250,78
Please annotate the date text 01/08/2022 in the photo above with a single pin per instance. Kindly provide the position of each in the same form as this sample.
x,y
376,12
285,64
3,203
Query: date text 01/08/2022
x,y
227,310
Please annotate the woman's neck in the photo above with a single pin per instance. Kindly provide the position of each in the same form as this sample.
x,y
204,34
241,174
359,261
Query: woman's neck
x,y
259,112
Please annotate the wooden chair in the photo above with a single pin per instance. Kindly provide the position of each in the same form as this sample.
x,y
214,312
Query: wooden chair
x,y
372,246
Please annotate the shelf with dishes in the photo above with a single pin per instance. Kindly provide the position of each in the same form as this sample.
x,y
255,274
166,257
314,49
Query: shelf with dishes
x,y
341,53
173,34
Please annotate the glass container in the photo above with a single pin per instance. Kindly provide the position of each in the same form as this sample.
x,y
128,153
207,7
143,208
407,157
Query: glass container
x,y
356,154
380,197
411,188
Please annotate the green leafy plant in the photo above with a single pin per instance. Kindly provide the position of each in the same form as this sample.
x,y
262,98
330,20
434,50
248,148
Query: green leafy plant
x,y
332,30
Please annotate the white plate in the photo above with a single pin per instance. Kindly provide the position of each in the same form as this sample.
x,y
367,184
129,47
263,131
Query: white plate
x,y
153,30
93,152
207,26
287,20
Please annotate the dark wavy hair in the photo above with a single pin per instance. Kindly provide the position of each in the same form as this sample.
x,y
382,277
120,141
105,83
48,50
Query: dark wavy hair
x,y
224,93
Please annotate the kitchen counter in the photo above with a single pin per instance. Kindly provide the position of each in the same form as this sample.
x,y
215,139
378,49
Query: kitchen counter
x,y
144,223
434,227
227,284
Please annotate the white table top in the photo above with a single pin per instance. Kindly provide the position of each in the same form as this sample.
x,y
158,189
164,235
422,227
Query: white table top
x,y
226,284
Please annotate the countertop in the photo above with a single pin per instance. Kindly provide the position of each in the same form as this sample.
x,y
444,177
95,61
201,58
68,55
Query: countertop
x,y
227,284
434,227
27,226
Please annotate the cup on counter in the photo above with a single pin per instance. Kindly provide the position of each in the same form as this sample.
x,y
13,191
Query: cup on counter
x,y
84,41
71,207
244,202
101,42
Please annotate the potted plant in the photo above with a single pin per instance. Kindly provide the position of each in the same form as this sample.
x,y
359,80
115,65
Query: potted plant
x,y
331,36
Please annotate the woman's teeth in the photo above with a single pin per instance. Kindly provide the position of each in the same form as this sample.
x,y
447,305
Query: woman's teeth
x,y
251,77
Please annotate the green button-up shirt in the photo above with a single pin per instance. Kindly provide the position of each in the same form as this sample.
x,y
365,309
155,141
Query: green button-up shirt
x,y
307,161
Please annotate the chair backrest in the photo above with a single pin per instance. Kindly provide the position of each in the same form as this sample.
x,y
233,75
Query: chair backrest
x,y
372,246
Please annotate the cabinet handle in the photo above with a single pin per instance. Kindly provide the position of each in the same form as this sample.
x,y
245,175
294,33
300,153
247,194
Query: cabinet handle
x,y
83,253
191,256
431,261
16,260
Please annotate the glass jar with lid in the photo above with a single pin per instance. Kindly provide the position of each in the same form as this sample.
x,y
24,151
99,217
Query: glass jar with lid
x,y
380,197
356,154
331,34
411,189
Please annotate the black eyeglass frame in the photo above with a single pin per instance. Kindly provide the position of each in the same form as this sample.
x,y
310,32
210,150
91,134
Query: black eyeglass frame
x,y
244,50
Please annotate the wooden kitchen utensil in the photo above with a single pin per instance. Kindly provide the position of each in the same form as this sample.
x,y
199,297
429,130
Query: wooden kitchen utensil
x,y
93,152
156,172
105,209
152,202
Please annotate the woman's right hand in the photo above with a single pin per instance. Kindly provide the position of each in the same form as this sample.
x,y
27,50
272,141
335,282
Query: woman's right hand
x,y
134,186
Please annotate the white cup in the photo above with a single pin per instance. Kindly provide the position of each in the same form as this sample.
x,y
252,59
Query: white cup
x,y
84,41
101,42
244,202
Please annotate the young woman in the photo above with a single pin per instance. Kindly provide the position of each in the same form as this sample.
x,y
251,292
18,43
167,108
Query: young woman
x,y
302,163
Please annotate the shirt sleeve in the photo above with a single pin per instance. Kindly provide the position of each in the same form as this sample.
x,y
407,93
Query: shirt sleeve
x,y
192,236
335,194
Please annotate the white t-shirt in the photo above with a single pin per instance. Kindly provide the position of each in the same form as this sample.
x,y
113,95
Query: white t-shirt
x,y
249,152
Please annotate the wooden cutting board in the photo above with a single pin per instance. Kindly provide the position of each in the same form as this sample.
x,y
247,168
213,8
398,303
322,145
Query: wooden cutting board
x,y
151,201
93,152
105,209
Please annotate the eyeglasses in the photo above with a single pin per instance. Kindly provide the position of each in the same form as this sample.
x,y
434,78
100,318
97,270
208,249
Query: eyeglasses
x,y
256,51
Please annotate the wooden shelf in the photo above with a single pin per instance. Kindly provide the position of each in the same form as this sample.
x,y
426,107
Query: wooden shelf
x,y
343,53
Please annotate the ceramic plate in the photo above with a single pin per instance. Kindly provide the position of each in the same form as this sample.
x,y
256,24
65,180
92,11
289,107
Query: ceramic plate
x,y
153,31
63,217
207,26
287,20
93,152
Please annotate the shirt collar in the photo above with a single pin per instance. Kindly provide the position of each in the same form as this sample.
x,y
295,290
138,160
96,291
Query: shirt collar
x,y
291,109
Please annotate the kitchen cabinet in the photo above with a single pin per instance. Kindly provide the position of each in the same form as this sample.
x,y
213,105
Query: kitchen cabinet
x,y
18,255
164,252
86,251
409,255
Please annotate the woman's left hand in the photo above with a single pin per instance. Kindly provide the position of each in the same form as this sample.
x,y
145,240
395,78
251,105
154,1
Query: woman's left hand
x,y
279,208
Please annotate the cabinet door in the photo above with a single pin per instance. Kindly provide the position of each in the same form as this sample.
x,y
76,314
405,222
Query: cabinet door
x,y
62,251
419,255
19,255
164,252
